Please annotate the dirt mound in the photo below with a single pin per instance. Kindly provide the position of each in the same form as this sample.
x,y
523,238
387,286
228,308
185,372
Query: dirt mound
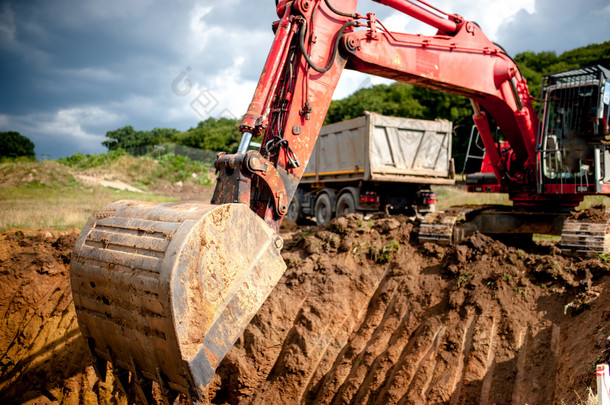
x,y
43,357
92,180
594,214
362,315
186,192
49,173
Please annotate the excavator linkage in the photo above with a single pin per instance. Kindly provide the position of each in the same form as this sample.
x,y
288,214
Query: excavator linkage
x,y
163,290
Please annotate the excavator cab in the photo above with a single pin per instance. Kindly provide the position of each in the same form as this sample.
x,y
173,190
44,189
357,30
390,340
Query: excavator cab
x,y
574,143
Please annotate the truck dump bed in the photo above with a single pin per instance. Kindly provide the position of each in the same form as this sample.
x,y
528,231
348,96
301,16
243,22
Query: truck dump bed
x,y
375,147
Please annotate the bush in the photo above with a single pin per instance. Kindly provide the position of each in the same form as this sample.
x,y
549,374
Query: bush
x,y
83,161
14,145
179,168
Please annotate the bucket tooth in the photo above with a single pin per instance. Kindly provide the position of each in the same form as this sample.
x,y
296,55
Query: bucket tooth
x,y
99,364
144,389
168,395
143,385
121,376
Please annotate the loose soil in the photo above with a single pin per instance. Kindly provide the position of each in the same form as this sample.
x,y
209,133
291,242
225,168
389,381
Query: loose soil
x,y
595,214
362,315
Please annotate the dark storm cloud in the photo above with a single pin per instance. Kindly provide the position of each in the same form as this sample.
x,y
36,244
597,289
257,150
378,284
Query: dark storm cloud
x,y
557,25
71,70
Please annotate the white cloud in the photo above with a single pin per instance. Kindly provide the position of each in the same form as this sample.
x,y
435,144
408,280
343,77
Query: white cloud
x,y
70,124
352,81
90,74
65,131
122,69
556,25
225,94
489,16
199,29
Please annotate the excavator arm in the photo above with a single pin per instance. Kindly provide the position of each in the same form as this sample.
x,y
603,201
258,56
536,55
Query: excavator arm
x,y
315,41
162,291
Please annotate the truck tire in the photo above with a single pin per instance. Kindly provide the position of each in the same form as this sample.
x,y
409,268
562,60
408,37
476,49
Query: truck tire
x,y
346,204
294,209
323,209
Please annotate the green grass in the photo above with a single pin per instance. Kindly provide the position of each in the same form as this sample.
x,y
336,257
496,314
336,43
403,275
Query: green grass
x,y
142,171
592,200
58,207
449,196
47,194
81,161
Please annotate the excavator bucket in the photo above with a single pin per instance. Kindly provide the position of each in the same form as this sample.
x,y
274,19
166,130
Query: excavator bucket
x,y
163,290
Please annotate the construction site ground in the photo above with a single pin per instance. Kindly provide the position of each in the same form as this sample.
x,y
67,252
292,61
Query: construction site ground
x,y
363,314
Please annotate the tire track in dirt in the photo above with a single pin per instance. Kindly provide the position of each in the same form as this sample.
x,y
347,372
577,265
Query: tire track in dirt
x,y
338,371
458,375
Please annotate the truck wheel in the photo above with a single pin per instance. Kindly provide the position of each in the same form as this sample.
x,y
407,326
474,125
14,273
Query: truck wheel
x,y
324,209
346,204
294,210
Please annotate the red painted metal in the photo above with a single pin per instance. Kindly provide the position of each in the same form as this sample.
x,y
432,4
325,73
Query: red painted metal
x,y
467,64
492,157
444,25
294,91
291,99
271,74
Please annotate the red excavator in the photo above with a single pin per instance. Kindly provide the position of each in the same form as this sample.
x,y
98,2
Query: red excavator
x,y
162,291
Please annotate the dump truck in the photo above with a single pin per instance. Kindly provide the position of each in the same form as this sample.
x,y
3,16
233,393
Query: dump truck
x,y
374,163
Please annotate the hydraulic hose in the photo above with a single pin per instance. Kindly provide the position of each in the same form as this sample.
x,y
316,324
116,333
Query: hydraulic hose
x,y
335,46
334,10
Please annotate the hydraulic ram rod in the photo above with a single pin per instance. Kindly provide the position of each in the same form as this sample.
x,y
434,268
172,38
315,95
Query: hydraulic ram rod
x,y
444,25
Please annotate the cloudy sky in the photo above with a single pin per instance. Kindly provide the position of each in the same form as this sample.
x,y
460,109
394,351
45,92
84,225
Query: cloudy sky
x,y
70,70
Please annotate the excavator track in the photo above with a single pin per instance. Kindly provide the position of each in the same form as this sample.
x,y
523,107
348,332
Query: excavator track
x,y
445,227
438,227
163,290
585,238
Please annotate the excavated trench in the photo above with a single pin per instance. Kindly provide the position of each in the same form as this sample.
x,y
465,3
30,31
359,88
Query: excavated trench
x,y
362,315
